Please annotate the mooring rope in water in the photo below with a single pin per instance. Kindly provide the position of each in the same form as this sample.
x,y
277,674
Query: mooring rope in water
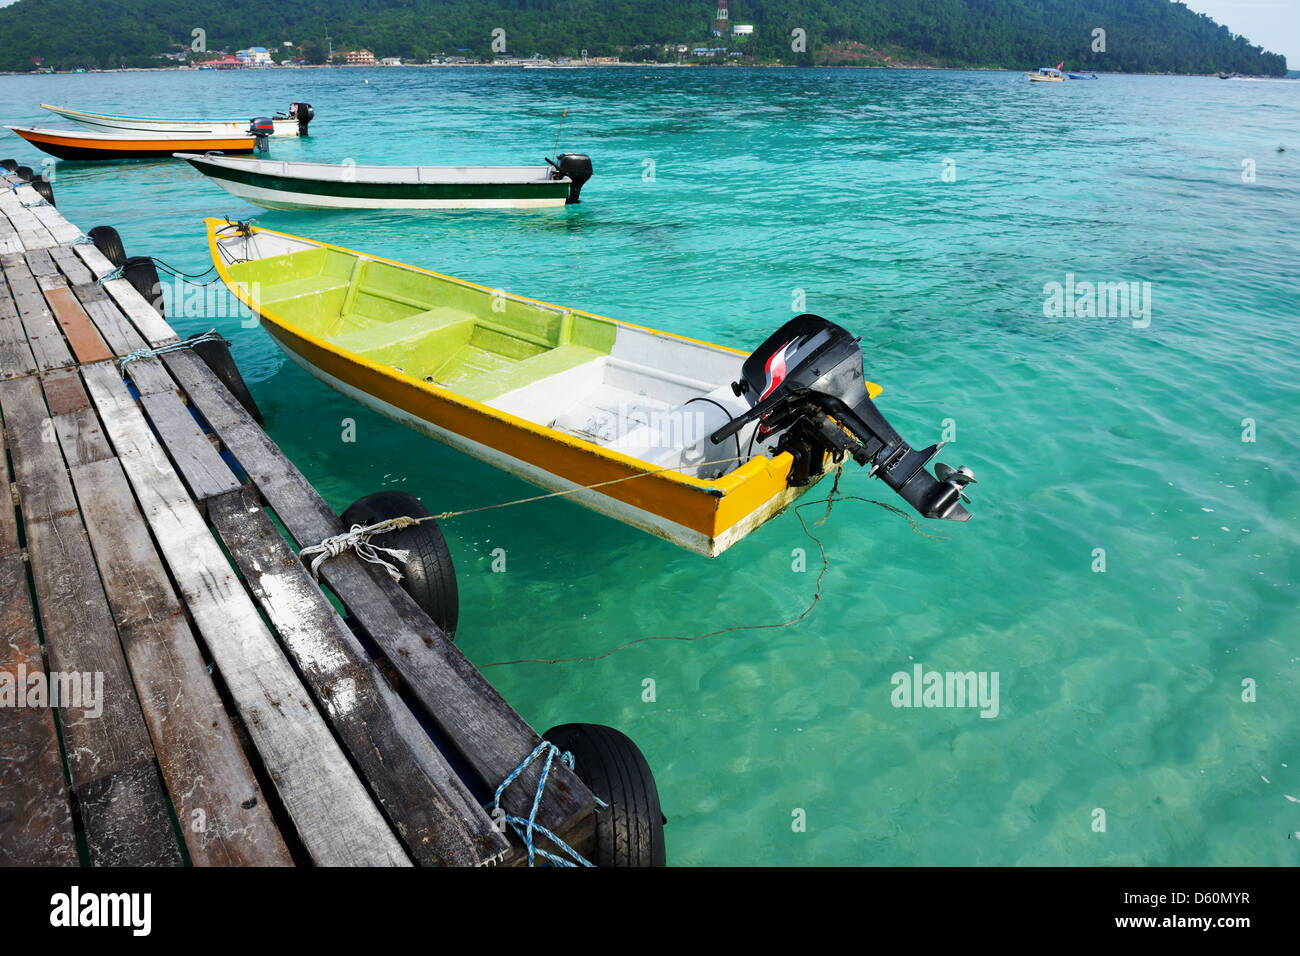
x,y
358,540
209,336
527,827
817,595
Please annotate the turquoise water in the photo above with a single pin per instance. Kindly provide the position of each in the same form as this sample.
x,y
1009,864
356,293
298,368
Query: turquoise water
x,y
717,194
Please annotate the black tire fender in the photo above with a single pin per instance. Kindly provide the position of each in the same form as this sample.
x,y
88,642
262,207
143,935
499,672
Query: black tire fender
x,y
43,189
428,574
630,831
108,242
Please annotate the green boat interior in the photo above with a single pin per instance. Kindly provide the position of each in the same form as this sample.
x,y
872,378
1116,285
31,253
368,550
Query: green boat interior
x,y
471,341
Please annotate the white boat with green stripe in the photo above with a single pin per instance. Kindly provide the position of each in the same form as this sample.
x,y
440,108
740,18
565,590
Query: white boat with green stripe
x,y
292,185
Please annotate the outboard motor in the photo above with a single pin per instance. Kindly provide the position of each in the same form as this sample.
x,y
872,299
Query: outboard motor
x,y
806,384
261,128
304,114
577,166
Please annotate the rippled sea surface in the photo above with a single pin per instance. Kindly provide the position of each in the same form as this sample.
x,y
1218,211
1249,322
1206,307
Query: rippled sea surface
x,y
718,195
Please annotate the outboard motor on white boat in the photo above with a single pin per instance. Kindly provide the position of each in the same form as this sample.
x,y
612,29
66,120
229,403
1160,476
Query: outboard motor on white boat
x,y
806,384
303,113
261,128
577,166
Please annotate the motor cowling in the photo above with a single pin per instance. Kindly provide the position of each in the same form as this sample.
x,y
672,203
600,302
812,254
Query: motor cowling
x,y
261,128
577,166
304,114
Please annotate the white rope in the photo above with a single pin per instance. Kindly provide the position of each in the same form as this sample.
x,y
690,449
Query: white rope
x,y
358,540
209,336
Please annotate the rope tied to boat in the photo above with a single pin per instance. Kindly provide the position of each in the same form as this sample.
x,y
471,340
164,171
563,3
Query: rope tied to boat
x,y
209,336
358,539
528,827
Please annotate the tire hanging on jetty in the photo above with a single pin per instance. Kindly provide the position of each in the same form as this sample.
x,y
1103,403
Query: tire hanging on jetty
x,y
428,575
630,831
44,189
109,243
9,165
141,272
216,356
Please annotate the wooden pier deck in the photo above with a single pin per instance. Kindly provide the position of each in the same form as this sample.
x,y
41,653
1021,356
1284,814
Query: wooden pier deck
x,y
241,721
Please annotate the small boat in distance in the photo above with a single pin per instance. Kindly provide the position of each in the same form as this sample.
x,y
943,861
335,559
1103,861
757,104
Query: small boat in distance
x,y
78,145
292,123
293,185
696,443
1046,74
1085,75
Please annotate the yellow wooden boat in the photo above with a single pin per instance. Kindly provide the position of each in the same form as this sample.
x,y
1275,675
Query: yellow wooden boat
x,y
696,443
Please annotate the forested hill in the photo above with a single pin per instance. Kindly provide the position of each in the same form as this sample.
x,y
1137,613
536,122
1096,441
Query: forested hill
x,y
1140,35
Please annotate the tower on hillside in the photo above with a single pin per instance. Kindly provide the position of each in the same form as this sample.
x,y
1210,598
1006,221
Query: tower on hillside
x,y
720,25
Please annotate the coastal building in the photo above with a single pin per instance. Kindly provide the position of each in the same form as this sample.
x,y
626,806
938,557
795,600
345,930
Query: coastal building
x,y
391,61
359,58
255,56
742,30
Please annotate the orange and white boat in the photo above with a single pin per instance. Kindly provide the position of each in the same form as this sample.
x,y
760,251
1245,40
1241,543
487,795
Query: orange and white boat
x,y
76,144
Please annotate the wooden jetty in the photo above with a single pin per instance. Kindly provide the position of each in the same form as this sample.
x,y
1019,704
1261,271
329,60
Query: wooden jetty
x,y
241,721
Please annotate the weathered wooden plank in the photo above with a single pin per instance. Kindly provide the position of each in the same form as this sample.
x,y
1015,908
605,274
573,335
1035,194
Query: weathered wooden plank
x,y
488,732
76,425
151,326
9,241
223,815
35,819
191,452
40,264
435,815
14,203
150,377
59,228
73,269
15,354
43,335
83,337
116,330
334,815
109,753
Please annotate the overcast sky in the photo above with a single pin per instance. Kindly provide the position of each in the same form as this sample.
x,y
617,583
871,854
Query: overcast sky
x,y
1272,24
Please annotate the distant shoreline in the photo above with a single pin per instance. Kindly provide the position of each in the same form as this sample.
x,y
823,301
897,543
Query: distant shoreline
x,y
604,66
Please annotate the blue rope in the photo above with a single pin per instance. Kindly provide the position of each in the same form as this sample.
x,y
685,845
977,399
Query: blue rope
x,y
528,827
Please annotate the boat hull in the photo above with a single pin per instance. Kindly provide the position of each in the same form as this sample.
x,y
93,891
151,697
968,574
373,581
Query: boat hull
x,y
78,146
292,192
224,126
706,516
694,534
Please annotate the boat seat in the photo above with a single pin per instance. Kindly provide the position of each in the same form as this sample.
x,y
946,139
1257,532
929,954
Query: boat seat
x,y
403,332
493,384
297,288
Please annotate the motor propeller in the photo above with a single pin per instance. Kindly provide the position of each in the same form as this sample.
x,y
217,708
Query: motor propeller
x,y
961,477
